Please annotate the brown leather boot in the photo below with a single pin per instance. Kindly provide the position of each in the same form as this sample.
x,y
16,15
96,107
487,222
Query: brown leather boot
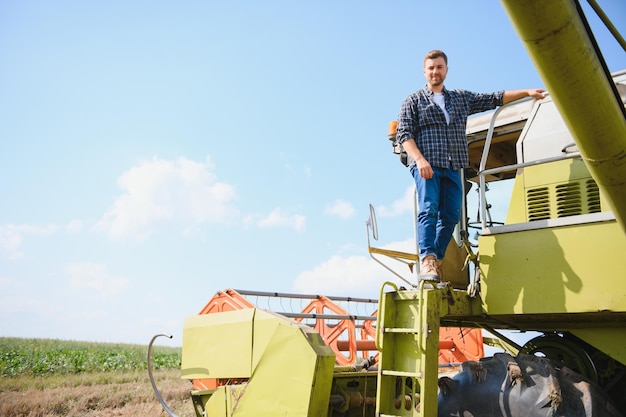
x,y
439,267
428,270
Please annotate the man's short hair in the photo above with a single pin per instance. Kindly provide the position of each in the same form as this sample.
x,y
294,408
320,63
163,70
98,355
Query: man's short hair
x,y
436,53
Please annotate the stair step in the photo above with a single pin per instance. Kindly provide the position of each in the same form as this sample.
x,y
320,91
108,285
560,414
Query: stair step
x,y
389,372
401,330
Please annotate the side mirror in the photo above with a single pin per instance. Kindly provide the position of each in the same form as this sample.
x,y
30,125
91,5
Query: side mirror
x,y
371,223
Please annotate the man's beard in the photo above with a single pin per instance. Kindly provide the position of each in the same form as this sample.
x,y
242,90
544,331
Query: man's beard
x,y
436,82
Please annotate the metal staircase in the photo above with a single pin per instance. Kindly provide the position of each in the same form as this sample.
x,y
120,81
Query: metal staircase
x,y
408,342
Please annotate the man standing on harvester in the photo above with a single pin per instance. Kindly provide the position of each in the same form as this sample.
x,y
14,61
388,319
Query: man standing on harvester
x,y
431,129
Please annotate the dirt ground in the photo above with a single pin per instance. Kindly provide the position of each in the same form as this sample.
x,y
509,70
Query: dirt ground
x,y
101,397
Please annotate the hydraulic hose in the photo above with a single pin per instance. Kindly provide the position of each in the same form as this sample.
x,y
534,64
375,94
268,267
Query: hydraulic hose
x,y
154,387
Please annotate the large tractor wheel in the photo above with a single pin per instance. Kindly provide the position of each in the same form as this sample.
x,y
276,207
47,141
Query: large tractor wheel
x,y
564,349
521,386
584,359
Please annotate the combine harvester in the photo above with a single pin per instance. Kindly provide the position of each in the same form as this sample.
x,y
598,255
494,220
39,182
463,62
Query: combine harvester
x,y
265,342
553,266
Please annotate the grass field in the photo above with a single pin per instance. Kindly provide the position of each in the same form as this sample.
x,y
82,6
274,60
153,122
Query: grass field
x,y
49,378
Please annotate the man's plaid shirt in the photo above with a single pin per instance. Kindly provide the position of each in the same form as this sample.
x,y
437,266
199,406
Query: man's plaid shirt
x,y
443,145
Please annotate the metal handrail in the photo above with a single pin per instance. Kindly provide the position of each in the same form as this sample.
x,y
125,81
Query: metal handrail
x,y
381,313
492,124
483,174
482,198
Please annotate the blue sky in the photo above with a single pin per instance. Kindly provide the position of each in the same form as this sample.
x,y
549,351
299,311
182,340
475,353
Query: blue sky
x,y
155,152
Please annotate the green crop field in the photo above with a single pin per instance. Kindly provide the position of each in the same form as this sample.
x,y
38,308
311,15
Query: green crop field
x,y
37,357
45,377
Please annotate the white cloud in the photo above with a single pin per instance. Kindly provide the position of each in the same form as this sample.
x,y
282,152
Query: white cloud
x,y
183,192
354,275
19,304
12,237
340,208
278,218
74,227
10,241
405,204
91,276
6,282
357,276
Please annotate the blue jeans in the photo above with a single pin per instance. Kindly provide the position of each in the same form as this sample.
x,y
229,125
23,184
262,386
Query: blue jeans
x,y
439,209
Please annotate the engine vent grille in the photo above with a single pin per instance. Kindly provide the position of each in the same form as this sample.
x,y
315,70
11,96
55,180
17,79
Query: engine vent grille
x,y
562,200
593,196
568,200
538,203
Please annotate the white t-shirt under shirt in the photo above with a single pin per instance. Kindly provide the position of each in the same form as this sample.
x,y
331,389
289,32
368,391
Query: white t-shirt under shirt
x,y
439,100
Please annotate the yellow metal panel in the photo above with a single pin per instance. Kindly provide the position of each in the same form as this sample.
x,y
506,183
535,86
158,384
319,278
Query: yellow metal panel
x,y
555,172
567,188
265,323
215,405
323,375
218,345
293,367
568,269
556,39
408,361
611,341
394,254
291,373
517,207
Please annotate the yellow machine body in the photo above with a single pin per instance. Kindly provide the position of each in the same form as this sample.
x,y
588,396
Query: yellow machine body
x,y
280,365
565,55
555,264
